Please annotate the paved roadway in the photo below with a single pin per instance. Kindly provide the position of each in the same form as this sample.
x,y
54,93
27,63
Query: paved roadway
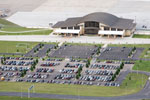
x,y
81,39
143,94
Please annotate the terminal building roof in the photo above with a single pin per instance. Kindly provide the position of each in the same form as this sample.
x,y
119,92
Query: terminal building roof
x,y
101,17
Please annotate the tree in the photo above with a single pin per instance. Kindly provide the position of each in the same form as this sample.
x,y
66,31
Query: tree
x,y
37,49
31,68
77,76
130,78
37,60
34,51
17,50
2,62
4,58
87,65
121,65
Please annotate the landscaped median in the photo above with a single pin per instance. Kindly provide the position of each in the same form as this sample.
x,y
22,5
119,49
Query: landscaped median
x,y
132,84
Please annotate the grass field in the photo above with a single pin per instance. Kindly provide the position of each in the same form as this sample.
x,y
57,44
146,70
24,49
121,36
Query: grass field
x,y
5,22
16,47
11,27
142,65
23,98
141,36
40,32
146,46
128,87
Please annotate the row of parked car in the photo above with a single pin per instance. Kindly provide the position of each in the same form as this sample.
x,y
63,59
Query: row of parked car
x,y
99,72
50,59
77,60
95,78
112,84
64,76
18,63
49,64
38,76
69,71
1,73
17,58
128,62
68,65
6,68
44,70
11,74
113,62
66,82
36,81
104,66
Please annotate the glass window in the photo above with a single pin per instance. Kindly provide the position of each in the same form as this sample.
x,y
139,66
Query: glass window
x,y
120,29
77,27
91,24
70,27
113,29
106,28
63,27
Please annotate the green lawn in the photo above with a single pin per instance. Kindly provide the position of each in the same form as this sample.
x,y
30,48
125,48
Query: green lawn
x,y
142,65
146,46
8,23
14,46
128,87
23,98
141,36
11,27
40,32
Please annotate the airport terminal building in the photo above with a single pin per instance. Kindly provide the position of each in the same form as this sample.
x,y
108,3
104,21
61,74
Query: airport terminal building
x,y
100,23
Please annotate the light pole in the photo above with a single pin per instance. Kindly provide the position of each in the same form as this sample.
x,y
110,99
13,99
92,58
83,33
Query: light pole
x,y
137,68
135,19
21,91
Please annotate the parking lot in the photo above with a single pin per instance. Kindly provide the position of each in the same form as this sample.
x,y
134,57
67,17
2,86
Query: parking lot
x,y
54,71
64,67
74,51
61,71
120,53
115,53
100,73
14,68
40,50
